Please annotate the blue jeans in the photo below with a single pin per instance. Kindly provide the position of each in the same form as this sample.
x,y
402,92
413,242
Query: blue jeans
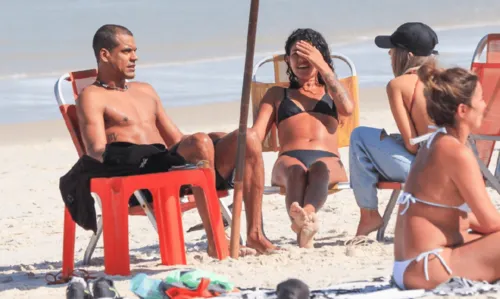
x,y
372,160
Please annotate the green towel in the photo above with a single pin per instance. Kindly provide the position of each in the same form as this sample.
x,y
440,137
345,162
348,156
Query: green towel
x,y
191,278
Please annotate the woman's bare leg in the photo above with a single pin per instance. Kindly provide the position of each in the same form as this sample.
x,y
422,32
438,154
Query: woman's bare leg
x,y
476,260
290,173
321,176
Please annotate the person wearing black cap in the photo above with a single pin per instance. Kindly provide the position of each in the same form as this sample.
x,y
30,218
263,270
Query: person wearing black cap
x,y
373,154
417,38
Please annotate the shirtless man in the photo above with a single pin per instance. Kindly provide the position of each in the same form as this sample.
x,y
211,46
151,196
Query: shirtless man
x,y
114,110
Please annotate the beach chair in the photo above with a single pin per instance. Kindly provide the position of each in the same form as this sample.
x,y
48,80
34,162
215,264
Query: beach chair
x,y
483,140
79,80
346,124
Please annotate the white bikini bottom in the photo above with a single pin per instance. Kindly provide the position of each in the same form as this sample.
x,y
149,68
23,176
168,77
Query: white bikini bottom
x,y
399,268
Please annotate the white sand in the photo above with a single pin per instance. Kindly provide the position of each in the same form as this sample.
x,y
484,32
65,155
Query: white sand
x,y
32,217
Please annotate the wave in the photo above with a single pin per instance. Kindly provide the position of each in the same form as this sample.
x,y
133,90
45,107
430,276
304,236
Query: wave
x,y
348,44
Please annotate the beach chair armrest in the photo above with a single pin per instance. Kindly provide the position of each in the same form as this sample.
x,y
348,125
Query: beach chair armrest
x,y
343,186
280,190
271,190
484,137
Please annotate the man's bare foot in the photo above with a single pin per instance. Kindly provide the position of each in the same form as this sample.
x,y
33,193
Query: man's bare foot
x,y
309,229
370,221
260,243
243,251
247,251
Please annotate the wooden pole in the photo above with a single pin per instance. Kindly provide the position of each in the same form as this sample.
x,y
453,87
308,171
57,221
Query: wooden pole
x,y
242,131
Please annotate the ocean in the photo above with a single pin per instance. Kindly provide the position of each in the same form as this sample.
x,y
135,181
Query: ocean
x,y
193,52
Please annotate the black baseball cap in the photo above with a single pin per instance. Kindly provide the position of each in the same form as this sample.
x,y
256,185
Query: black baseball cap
x,y
415,37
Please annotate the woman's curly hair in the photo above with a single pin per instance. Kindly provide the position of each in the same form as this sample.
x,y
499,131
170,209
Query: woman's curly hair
x,y
317,40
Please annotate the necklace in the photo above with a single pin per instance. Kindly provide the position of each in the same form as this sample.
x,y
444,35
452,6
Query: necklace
x,y
310,89
110,87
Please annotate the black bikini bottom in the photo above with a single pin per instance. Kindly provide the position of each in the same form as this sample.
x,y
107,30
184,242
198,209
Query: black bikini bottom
x,y
308,157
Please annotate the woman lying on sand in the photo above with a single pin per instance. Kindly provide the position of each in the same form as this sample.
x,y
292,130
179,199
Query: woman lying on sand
x,y
445,195
306,115
373,154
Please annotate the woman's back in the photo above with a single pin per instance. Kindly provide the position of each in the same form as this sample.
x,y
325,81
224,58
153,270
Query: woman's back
x,y
445,195
375,155
411,92
425,225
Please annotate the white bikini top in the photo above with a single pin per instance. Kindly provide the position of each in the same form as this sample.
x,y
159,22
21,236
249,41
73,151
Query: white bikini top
x,y
429,136
407,198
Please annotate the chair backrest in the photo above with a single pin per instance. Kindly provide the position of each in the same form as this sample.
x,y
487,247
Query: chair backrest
x,y
350,83
488,71
79,80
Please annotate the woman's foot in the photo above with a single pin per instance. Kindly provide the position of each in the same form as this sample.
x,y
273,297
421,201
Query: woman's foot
x,y
304,224
298,216
310,228
369,221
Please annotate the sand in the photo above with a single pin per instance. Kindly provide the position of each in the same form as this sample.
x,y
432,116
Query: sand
x,y
35,155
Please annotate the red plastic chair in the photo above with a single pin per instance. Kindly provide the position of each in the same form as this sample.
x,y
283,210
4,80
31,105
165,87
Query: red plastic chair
x,y
115,193
169,238
483,140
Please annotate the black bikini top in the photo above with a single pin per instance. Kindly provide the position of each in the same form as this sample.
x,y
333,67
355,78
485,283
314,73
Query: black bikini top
x,y
288,108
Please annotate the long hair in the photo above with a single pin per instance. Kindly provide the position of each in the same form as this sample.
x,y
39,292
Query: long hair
x,y
317,40
445,90
402,61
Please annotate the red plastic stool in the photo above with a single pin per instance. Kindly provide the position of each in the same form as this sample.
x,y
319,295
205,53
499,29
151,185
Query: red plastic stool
x,y
114,194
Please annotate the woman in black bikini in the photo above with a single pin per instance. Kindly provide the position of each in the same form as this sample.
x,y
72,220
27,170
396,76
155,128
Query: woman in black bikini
x,y
306,115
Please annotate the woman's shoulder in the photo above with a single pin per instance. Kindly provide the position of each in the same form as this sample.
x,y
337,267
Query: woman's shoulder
x,y
456,160
402,87
404,81
276,88
274,93
450,149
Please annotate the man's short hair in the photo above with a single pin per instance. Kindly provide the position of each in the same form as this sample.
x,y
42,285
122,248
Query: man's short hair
x,y
105,37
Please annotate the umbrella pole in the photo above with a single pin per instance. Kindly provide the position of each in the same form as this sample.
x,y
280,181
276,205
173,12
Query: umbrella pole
x,y
242,131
